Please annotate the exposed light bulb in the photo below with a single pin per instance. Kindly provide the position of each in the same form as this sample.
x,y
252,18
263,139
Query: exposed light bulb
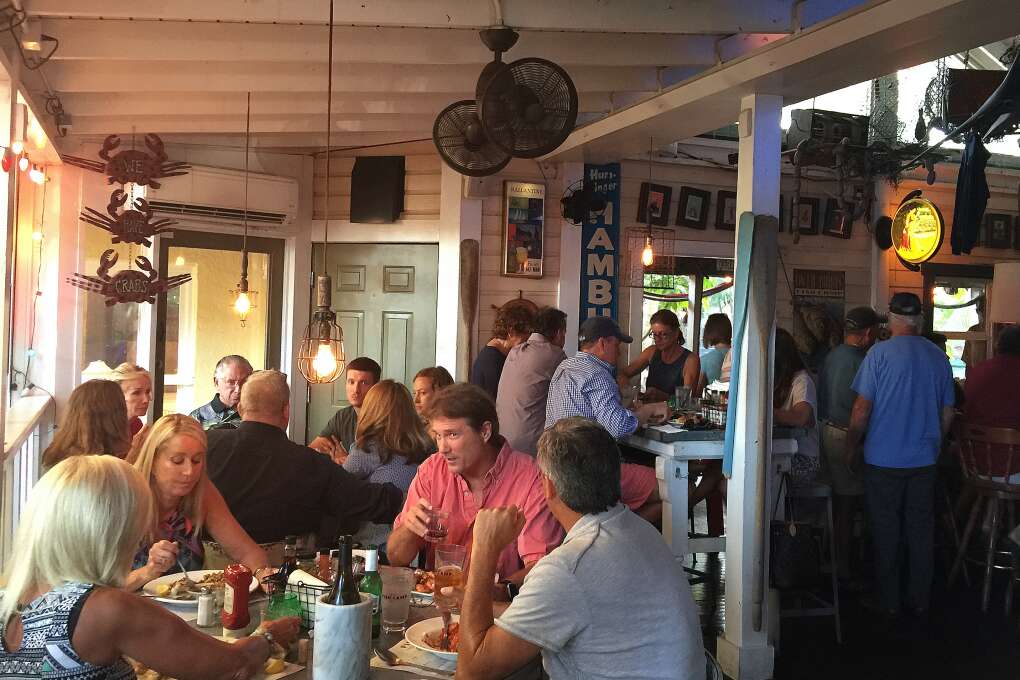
x,y
647,255
324,363
36,175
37,236
242,304
180,261
17,147
23,163
727,279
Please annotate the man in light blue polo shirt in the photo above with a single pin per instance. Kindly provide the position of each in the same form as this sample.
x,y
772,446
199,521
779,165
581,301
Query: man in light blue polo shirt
x,y
610,602
903,410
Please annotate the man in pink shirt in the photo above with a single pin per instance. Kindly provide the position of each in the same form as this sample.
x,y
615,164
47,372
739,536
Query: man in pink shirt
x,y
474,468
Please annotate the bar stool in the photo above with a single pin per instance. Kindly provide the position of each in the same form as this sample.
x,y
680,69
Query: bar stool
x,y
825,608
987,456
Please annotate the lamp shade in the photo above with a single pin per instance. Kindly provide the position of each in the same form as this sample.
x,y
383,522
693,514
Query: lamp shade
x,y
1005,307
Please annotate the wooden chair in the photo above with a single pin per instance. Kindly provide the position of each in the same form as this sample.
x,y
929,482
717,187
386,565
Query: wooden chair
x,y
987,455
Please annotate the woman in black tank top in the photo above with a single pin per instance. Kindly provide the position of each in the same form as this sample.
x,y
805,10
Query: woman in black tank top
x,y
669,364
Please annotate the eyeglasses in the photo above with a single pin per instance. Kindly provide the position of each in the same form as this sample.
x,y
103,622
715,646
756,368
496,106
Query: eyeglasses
x,y
660,336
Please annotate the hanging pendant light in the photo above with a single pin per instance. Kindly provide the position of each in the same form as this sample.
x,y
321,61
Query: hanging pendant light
x,y
647,254
321,354
244,299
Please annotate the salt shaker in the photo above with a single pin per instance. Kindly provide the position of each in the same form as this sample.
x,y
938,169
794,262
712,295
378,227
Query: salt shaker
x,y
207,609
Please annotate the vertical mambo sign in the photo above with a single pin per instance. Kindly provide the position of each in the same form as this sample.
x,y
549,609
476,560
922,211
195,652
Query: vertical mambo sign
x,y
600,243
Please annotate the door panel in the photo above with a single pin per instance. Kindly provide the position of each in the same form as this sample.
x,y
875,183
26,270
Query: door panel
x,y
385,297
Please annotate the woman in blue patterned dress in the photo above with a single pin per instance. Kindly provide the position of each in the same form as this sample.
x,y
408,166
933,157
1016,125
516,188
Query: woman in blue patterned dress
x,y
63,613
390,443
173,460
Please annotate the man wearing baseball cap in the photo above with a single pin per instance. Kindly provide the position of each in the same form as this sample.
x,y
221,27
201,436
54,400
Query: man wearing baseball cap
x,y
835,401
903,410
585,385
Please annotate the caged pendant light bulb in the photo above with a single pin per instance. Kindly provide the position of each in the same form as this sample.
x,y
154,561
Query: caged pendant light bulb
x,y
321,354
647,255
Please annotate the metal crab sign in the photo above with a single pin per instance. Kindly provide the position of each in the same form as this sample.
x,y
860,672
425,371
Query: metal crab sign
x,y
132,165
134,225
127,285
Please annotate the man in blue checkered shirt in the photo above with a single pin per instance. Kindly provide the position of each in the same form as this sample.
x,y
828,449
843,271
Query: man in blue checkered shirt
x,y
584,384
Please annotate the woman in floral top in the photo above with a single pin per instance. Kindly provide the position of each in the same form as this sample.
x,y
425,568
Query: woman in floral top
x,y
173,461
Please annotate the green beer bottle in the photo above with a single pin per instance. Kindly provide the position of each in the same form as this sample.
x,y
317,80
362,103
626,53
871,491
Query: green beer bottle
x,y
371,585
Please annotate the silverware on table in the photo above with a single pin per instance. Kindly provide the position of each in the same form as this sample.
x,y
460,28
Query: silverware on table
x,y
391,659
444,642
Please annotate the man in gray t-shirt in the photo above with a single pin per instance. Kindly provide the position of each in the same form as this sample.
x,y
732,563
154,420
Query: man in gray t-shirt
x,y
610,602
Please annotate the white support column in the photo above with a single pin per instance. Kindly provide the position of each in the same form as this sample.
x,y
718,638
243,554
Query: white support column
x,y
569,293
745,650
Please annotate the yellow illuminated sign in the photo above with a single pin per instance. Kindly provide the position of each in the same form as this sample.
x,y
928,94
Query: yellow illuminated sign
x,y
917,231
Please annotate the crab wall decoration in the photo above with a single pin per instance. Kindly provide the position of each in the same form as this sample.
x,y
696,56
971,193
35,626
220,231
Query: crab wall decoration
x,y
132,165
127,285
134,225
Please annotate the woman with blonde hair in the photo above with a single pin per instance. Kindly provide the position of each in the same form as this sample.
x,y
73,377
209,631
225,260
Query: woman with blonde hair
x,y
136,384
172,460
63,613
389,444
95,422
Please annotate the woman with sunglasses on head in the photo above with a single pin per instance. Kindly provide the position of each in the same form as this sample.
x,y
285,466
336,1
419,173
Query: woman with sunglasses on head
x,y
669,363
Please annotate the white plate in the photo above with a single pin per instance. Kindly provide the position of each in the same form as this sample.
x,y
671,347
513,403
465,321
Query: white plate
x,y
416,635
195,575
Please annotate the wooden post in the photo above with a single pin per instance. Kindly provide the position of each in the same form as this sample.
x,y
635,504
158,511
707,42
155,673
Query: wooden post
x,y
745,649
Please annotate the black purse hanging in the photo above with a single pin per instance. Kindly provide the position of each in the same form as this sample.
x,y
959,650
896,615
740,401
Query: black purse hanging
x,y
794,560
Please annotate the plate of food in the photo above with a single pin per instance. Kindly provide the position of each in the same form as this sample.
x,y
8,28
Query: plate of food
x,y
424,585
176,589
428,634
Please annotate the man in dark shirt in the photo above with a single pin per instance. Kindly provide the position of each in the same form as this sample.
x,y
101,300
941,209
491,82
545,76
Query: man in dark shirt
x,y
835,402
228,378
275,487
337,436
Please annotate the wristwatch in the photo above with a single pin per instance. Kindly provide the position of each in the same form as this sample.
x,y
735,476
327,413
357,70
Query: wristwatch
x,y
267,635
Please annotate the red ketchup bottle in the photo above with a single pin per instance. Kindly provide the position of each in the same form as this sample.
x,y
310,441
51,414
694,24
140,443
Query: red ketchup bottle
x,y
235,617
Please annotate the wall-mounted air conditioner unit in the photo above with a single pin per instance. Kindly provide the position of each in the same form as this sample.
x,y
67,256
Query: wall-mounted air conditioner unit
x,y
217,194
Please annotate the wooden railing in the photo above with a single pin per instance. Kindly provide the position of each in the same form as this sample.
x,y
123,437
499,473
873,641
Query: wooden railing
x,y
28,428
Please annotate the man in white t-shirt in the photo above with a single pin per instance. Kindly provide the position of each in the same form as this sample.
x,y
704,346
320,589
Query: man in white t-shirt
x,y
610,602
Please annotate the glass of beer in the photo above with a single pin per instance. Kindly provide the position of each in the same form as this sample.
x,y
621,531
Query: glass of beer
x,y
449,591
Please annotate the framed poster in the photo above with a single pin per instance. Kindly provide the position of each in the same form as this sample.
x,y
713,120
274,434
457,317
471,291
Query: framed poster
x,y
653,204
692,208
837,222
998,230
807,216
726,210
523,229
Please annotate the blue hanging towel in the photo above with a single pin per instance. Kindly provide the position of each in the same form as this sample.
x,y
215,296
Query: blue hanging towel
x,y
741,286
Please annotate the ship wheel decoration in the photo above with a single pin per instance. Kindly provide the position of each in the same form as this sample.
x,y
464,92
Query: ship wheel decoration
x,y
127,285
132,166
134,225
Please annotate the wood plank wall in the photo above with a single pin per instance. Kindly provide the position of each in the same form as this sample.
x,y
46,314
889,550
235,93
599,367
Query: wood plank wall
x,y
812,252
421,180
496,289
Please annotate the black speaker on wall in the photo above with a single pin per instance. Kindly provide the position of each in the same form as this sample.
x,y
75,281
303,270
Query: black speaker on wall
x,y
377,189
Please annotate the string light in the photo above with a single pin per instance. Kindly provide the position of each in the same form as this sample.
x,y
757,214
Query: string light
x,y
17,147
37,175
23,163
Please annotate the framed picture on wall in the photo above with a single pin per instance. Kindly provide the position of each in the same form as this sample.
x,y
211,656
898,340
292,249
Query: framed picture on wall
x,y
653,204
837,222
998,230
726,210
807,216
523,229
692,208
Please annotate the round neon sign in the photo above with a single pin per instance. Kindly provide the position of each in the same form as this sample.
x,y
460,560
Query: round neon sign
x,y
917,231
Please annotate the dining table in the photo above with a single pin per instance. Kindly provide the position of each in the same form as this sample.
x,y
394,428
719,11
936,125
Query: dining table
x,y
420,611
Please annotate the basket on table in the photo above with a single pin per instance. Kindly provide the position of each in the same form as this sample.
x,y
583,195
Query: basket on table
x,y
307,595
714,413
